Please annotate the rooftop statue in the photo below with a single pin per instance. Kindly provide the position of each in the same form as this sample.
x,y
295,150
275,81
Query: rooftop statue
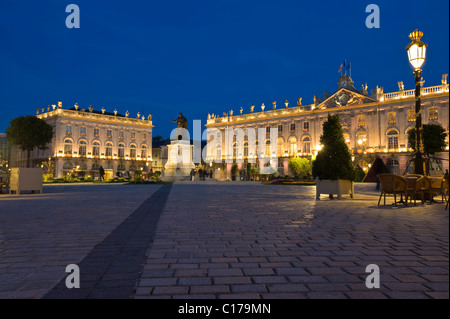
x,y
181,121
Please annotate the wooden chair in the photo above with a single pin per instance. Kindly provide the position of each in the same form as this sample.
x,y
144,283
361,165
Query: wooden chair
x,y
419,187
393,184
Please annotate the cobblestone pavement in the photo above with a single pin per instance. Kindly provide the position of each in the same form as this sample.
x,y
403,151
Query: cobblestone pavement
x,y
248,240
41,234
209,239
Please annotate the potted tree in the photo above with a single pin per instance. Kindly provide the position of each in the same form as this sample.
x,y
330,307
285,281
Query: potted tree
x,y
333,168
234,172
434,136
28,133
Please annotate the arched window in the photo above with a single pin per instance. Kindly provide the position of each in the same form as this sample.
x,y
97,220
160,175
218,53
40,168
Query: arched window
x,y
68,146
133,150
95,148
245,149
268,148
121,150
82,148
292,145
109,146
392,137
67,166
234,149
361,140
393,166
306,145
120,167
280,146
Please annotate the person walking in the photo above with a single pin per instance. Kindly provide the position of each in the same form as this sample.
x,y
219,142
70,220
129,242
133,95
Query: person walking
x,y
101,171
192,175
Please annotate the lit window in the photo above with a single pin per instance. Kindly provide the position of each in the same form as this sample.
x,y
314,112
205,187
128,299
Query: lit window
x,y
121,134
292,127
133,135
267,129
361,140
96,148
347,139
280,128
305,126
280,146
393,166
268,148
411,115
144,136
109,133
83,131
132,150
82,148
68,130
109,149
121,150
392,139
433,113
292,145
361,120
67,146
306,145
144,151
96,132
392,117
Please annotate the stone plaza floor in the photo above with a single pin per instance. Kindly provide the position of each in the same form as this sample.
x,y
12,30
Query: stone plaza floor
x,y
208,239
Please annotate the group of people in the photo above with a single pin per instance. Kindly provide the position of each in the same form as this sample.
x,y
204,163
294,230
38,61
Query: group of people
x,y
202,174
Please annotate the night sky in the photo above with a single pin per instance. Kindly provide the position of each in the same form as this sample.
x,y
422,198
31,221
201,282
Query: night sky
x,y
200,57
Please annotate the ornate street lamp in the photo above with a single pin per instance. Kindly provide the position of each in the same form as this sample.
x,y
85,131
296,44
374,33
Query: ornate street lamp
x,y
416,55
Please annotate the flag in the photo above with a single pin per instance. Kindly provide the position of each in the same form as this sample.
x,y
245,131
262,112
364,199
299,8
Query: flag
x,y
340,68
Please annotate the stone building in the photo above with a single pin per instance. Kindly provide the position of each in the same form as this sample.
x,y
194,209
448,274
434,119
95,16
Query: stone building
x,y
374,125
85,139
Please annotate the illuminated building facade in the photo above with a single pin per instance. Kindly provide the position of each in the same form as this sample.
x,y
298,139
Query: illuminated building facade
x,y
85,139
374,125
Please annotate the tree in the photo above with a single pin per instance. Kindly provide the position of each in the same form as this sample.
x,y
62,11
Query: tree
x,y
28,133
433,139
301,167
334,160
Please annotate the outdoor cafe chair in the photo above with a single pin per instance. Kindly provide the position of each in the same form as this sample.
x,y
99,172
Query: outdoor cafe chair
x,y
393,184
419,187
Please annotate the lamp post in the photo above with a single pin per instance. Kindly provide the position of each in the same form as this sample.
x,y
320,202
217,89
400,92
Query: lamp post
x,y
416,55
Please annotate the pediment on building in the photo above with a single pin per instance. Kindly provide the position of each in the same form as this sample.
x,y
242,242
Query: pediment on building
x,y
346,95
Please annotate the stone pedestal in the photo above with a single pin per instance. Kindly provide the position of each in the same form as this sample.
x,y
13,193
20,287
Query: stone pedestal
x,y
179,163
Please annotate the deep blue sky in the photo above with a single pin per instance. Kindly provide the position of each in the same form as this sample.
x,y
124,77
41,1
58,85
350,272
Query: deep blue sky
x,y
200,57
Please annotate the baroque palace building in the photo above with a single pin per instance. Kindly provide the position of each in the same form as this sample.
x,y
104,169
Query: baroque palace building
x,y
374,125
85,139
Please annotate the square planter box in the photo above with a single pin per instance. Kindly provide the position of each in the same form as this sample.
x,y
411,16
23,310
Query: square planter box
x,y
25,179
338,187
